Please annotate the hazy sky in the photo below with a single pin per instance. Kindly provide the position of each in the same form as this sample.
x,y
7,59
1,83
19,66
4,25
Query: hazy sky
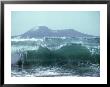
x,y
84,21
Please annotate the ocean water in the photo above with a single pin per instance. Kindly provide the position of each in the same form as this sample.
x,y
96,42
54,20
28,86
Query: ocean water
x,y
55,56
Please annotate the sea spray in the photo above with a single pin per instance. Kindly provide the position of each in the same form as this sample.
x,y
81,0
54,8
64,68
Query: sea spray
x,y
76,55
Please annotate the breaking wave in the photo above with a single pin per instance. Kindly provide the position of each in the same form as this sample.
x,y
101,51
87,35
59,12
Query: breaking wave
x,y
82,56
70,53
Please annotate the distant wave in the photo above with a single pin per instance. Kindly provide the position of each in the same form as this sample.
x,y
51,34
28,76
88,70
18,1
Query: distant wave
x,y
32,39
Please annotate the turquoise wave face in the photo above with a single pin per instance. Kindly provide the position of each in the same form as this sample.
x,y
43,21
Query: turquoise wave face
x,y
68,55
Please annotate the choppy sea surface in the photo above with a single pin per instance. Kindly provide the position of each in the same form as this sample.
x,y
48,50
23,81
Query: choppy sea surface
x,y
55,56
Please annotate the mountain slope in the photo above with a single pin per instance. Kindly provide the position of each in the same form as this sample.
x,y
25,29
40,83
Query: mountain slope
x,y
43,31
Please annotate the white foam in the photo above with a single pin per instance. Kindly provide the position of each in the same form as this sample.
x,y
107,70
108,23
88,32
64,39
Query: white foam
x,y
28,39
